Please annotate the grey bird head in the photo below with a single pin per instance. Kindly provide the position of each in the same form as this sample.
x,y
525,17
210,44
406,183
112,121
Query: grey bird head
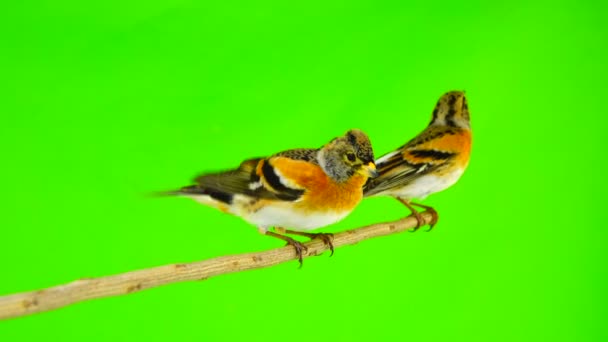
x,y
347,155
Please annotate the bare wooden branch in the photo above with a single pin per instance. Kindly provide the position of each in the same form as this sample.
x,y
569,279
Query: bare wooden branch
x,y
25,303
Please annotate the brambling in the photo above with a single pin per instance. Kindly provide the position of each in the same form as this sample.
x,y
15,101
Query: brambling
x,y
302,189
431,162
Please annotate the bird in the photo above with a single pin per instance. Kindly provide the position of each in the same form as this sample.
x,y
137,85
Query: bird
x,y
293,191
431,162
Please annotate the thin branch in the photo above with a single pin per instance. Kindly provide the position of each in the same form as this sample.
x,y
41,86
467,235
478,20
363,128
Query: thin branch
x,y
25,303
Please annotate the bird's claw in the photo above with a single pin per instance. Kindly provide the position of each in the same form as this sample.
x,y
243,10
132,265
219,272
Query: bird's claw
x,y
327,239
419,221
434,218
299,248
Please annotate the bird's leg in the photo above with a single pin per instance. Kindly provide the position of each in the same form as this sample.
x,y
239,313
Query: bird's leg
x,y
433,212
415,213
325,237
297,245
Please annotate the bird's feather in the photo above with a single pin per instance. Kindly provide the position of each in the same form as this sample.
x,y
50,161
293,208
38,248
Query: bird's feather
x,y
422,155
305,154
255,178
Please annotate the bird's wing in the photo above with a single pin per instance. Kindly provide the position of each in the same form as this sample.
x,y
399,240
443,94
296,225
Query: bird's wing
x,y
256,178
395,172
422,155
237,181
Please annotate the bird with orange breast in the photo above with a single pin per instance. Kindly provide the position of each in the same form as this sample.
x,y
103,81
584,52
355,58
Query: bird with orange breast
x,y
431,162
299,189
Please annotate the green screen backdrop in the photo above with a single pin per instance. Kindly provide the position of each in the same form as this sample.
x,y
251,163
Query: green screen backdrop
x,y
104,103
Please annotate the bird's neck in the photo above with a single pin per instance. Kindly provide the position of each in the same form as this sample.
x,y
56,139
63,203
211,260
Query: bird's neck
x,y
334,167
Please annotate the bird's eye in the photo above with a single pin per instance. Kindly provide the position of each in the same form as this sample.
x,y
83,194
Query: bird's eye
x,y
351,157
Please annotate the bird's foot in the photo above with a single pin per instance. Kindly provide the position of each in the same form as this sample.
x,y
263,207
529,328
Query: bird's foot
x,y
419,221
327,238
433,212
419,218
297,245
299,248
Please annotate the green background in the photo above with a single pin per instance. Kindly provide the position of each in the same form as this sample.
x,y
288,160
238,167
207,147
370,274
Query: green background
x,y
102,104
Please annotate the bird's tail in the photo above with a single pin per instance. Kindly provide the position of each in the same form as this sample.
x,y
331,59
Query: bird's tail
x,y
198,192
170,193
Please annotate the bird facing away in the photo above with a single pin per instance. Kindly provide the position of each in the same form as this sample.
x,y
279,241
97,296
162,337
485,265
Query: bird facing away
x,y
431,162
300,189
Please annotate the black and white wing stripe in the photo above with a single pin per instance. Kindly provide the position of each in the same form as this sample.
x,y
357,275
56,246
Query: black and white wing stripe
x,y
255,178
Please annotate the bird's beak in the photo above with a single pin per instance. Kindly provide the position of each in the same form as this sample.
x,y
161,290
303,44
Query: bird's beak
x,y
370,169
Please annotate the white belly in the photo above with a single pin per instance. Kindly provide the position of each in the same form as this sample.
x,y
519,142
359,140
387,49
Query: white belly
x,y
277,216
426,185
280,214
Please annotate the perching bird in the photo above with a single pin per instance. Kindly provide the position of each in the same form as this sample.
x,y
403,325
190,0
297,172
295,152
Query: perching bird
x,y
301,189
432,161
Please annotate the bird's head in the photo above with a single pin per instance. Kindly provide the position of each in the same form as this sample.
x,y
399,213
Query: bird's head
x,y
451,110
347,155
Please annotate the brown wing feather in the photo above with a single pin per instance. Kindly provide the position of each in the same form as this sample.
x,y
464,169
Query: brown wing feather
x,y
396,175
420,156
235,181
255,178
